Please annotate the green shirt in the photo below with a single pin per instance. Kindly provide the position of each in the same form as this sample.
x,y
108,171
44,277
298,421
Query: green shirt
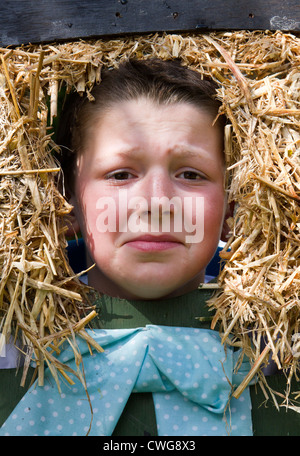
x,y
138,418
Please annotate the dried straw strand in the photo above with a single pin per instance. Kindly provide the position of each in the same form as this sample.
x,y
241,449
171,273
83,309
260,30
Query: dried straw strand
x,y
259,87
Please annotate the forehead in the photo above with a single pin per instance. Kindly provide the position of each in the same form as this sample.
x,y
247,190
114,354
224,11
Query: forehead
x,y
145,123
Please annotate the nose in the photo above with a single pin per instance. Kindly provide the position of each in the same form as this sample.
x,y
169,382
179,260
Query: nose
x,y
157,184
157,189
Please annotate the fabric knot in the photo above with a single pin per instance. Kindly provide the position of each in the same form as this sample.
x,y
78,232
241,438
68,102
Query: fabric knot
x,y
188,361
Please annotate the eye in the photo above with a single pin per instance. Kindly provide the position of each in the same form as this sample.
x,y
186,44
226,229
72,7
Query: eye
x,y
120,175
191,175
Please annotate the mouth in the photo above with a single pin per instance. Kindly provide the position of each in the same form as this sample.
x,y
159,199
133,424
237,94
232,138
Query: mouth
x,y
151,243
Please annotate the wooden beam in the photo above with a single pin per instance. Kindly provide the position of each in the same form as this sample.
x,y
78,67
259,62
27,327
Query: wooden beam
x,y
24,21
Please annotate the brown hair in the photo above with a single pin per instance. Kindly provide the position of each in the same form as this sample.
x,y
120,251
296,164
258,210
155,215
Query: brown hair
x,y
163,82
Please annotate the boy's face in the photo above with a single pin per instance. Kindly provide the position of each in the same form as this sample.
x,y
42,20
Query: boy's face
x,y
140,152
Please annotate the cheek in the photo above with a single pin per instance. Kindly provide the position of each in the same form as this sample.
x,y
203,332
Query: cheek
x,y
88,207
210,206
212,215
98,216
215,209
205,239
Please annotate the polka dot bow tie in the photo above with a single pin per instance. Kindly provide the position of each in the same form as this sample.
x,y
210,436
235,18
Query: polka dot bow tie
x,y
185,369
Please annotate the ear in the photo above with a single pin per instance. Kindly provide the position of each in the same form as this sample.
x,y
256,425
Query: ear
x,y
226,228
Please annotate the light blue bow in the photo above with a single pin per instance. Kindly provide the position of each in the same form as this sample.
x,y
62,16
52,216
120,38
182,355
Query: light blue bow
x,y
186,369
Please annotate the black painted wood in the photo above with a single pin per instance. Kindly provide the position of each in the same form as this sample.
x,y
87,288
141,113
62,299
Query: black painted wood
x,y
24,21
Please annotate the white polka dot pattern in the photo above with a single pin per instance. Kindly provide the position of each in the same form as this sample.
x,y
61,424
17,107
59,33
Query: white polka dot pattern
x,y
185,369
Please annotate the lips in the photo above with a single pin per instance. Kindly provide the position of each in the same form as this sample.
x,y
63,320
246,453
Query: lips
x,y
151,243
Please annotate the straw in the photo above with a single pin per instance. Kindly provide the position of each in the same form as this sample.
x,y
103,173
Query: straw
x,y
259,87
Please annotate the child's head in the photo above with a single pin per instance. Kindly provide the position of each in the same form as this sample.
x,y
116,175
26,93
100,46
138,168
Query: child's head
x,y
146,174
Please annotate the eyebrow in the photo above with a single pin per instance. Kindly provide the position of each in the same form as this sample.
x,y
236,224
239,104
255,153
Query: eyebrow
x,y
178,151
183,152
130,153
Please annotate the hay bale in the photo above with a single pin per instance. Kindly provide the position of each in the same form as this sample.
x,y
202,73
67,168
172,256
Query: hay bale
x,y
259,77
